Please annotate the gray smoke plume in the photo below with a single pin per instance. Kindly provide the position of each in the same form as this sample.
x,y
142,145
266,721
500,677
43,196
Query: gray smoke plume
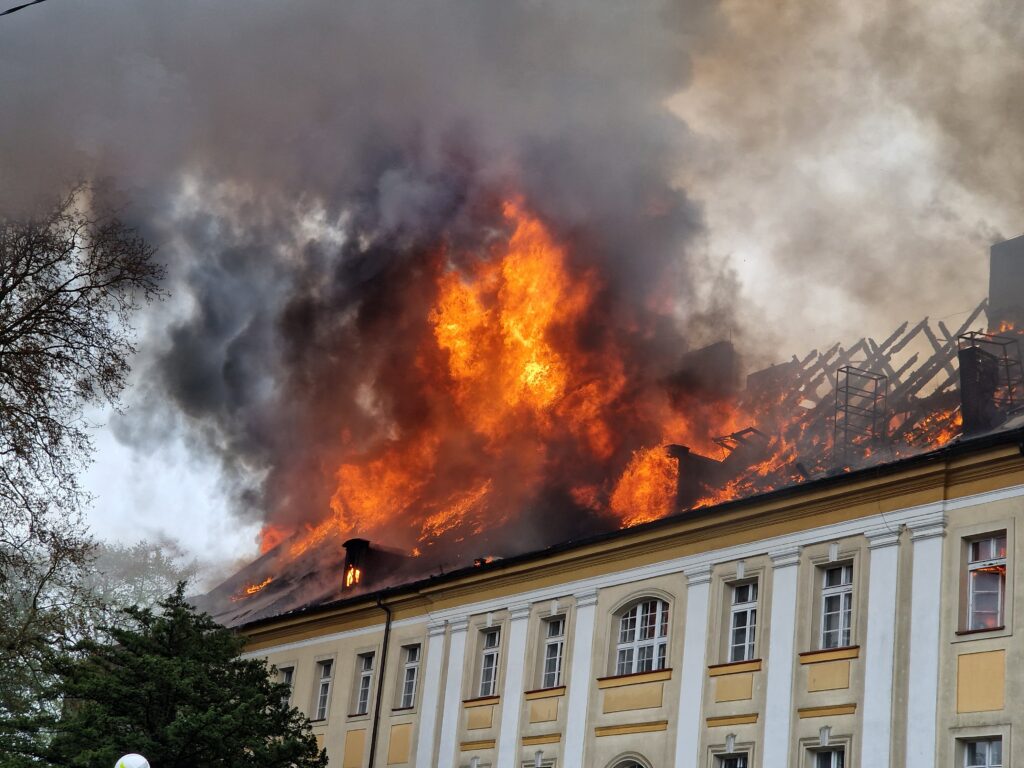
x,y
298,164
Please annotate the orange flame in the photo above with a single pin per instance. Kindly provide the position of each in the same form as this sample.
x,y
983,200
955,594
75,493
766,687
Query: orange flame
x,y
352,576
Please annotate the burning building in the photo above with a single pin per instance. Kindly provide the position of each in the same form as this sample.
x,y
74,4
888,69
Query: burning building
x,y
824,576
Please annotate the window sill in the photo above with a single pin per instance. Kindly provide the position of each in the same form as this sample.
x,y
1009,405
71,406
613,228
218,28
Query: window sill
x,y
982,631
481,701
634,678
734,667
357,717
403,710
545,693
830,654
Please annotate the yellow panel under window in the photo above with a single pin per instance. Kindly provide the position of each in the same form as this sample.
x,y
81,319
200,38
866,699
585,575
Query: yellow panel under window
x,y
734,687
643,696
543,710
479,718
354,742
828,676
398,746
980,681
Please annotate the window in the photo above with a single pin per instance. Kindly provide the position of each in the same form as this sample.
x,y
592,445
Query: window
x,y
554,646
323,696
489,662
410,675
986,581
987,753
287,676
643,638
743,623
829,758
364,681
836,606
732,761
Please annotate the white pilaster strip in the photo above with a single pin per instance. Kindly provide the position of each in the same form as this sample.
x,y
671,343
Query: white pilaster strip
x,y
778,707
512,693
922,698
579,678
447,755
431,694
691,683
876,741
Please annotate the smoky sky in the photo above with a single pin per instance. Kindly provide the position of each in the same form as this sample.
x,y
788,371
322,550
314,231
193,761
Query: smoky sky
x,y
297,164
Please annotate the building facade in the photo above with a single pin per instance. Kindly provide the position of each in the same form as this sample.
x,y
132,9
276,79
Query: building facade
x,y
866,620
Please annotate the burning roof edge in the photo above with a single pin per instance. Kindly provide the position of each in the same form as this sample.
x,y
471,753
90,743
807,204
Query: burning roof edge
x,y
370,599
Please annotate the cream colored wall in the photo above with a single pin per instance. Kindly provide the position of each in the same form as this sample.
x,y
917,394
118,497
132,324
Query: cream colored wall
x,y
649,731
980,688
628,718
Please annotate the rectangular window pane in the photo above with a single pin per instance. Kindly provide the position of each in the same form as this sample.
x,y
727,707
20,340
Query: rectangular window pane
x,y
624,663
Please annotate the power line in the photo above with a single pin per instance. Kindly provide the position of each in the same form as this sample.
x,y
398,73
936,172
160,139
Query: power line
x,y
19,7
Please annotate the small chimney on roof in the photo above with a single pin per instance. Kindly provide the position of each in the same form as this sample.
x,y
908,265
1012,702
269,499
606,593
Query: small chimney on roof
x,y
355,560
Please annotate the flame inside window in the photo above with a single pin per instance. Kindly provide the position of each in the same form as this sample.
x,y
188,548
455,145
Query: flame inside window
x,y
352,576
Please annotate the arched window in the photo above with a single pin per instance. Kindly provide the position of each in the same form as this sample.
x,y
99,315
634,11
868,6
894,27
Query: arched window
x,y
643,638
629,763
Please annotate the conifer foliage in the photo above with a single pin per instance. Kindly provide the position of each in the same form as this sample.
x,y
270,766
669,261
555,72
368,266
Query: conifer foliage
x,y
170,685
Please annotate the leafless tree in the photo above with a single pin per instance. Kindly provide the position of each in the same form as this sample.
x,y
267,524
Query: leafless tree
x,y
70,281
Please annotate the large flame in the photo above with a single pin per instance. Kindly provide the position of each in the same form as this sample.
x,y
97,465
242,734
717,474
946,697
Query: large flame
x,y
521,398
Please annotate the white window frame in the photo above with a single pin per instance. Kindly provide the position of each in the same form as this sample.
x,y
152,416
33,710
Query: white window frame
x,y
736,760
411,655
364,682
836,757
745,650
842,636
989,757
325,676
287,678
986,565
636,652
554,652
490,658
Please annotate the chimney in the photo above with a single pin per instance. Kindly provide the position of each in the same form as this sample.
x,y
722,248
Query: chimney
x,y
356,551
1006,284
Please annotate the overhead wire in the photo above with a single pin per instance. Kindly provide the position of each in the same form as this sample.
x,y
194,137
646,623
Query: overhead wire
x,y
19,7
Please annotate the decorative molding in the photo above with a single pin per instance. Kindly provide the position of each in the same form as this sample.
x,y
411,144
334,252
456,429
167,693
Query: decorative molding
x,y
718,722
698,574
544,693
930,531
617,681
519,611
620,730
460,624
786,556
831,654
484,701
470,746
834,710
585,598
436,627
544,738
734,668
882,536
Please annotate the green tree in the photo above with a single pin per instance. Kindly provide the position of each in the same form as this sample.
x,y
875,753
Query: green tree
x,y
71,279
170,685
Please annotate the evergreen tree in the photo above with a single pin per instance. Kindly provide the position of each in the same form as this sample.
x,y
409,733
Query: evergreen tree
x,y
170,685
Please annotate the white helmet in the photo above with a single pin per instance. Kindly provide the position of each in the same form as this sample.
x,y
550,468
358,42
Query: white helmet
x,y
132,761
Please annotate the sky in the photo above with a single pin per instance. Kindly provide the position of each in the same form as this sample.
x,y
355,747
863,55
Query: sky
x,y
840,168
